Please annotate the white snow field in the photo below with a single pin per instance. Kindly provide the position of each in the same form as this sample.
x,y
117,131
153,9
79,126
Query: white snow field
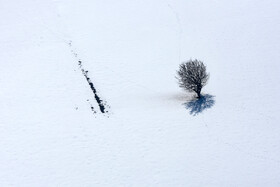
x,y
53,133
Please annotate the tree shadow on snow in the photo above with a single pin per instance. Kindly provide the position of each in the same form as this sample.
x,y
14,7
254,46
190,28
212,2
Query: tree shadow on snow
x,y
197,106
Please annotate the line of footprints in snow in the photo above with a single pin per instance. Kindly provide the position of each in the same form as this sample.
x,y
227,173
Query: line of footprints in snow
x,y
103,107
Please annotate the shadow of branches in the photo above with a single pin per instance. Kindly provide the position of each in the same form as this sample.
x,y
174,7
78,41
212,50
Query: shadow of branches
x,y
199,105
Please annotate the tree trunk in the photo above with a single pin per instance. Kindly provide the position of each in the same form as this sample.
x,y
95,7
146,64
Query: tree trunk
x,y
198,94
198,90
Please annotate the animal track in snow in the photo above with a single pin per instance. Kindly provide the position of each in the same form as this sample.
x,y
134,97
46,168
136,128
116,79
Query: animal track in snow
x,y
101,103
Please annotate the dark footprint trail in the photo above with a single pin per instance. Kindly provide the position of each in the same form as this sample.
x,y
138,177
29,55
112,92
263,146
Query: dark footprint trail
x,y
97,98
102,104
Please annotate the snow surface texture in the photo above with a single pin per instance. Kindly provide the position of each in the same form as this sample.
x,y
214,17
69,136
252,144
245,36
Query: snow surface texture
x,y
52,129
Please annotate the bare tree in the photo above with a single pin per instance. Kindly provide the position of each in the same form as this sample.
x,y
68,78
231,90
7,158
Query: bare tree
x,y
192,76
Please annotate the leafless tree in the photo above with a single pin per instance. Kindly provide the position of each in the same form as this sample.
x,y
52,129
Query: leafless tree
x,y
192,76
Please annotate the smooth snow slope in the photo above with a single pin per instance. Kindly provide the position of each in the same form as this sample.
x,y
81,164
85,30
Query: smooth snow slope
x,y
51,137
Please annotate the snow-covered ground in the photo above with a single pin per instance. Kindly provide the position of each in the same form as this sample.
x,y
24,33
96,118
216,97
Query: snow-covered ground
x,y
54,134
